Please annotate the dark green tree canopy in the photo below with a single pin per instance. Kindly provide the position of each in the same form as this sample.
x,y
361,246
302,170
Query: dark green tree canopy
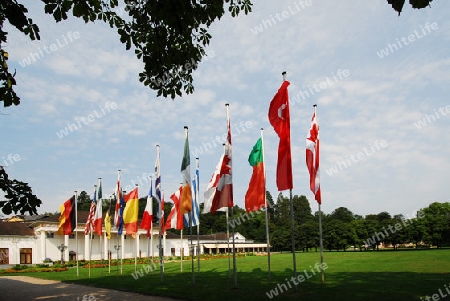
x,y
168,36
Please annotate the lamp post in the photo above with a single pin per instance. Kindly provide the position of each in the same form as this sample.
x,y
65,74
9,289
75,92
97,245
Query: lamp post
x,y
62,248
117,247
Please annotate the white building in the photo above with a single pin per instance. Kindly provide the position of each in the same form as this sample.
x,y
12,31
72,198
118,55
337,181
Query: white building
x,y
31,240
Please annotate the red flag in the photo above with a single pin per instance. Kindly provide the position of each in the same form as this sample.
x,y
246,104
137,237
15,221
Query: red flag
x,y
223,196
312,158
255,198
279,118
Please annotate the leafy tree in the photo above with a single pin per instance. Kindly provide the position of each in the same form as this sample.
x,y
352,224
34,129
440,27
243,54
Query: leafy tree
x,y
437,217
397,5
168,36
19,196
342,214
83,201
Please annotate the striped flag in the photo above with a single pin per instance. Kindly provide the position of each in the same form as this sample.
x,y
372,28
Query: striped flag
x,y
312,158
67,217
98,210
147,218
130,213
186,192
120,205
195,207
255,198
90,220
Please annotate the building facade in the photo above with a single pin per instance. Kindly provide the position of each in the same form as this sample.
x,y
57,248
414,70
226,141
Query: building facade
x,y
31,240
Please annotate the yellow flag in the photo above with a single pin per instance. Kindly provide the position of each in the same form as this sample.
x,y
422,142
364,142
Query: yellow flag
x,y
108,225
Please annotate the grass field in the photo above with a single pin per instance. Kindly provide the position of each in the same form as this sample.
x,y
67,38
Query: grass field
x,y
381,275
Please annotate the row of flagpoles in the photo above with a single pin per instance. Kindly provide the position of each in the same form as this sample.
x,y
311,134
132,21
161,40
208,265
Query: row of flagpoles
x,y
219,192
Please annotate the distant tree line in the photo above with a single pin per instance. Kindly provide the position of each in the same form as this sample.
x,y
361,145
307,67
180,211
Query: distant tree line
x,y
342,229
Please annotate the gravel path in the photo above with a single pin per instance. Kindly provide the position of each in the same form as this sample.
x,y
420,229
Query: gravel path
x,y
29,288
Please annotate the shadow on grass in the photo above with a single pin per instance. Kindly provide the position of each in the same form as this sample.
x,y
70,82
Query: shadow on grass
x,y
256,285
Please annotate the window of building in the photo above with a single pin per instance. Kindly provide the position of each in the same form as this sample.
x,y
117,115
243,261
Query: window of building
x,y
26,256
172,251
71,236
4,256
50,234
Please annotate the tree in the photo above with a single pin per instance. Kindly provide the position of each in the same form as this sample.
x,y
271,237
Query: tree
x,y
397,5
83,201
169,36
19,196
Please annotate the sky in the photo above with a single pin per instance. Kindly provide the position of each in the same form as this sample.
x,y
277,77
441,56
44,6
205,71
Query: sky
x,y
380,82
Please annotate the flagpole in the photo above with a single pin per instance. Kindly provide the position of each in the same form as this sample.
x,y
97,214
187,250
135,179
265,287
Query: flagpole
x,y
181,250
161,224
232,214
109,240
76,232
191,246
90,234
197,193
266,204
292,217
100,238
320,218
150,247
228,233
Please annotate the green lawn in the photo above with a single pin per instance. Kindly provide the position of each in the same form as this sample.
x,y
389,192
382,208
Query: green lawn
x,y
381,275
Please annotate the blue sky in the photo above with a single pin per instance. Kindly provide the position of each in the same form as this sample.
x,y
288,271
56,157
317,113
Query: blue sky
x,y
380,82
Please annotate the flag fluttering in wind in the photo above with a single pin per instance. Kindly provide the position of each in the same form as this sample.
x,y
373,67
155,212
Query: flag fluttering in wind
x,y
90,220
212,187
108,225
195,207
175,219
158,188
279,118
98,211
223,196
67,217
130,213
147,218
312,158
186,192
255,198
120,206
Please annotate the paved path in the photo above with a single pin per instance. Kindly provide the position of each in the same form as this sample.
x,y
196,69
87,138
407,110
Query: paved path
x,y
29,288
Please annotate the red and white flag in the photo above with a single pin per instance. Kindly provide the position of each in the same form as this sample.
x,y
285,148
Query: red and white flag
x,y
90,220
279,118
98,211
175,219
147,217
223,196
312,158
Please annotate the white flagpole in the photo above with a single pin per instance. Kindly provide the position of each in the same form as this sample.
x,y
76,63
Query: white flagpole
x,y
161,220
232,215
197,193
266,204
76,232
181,250
150,250
90,233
